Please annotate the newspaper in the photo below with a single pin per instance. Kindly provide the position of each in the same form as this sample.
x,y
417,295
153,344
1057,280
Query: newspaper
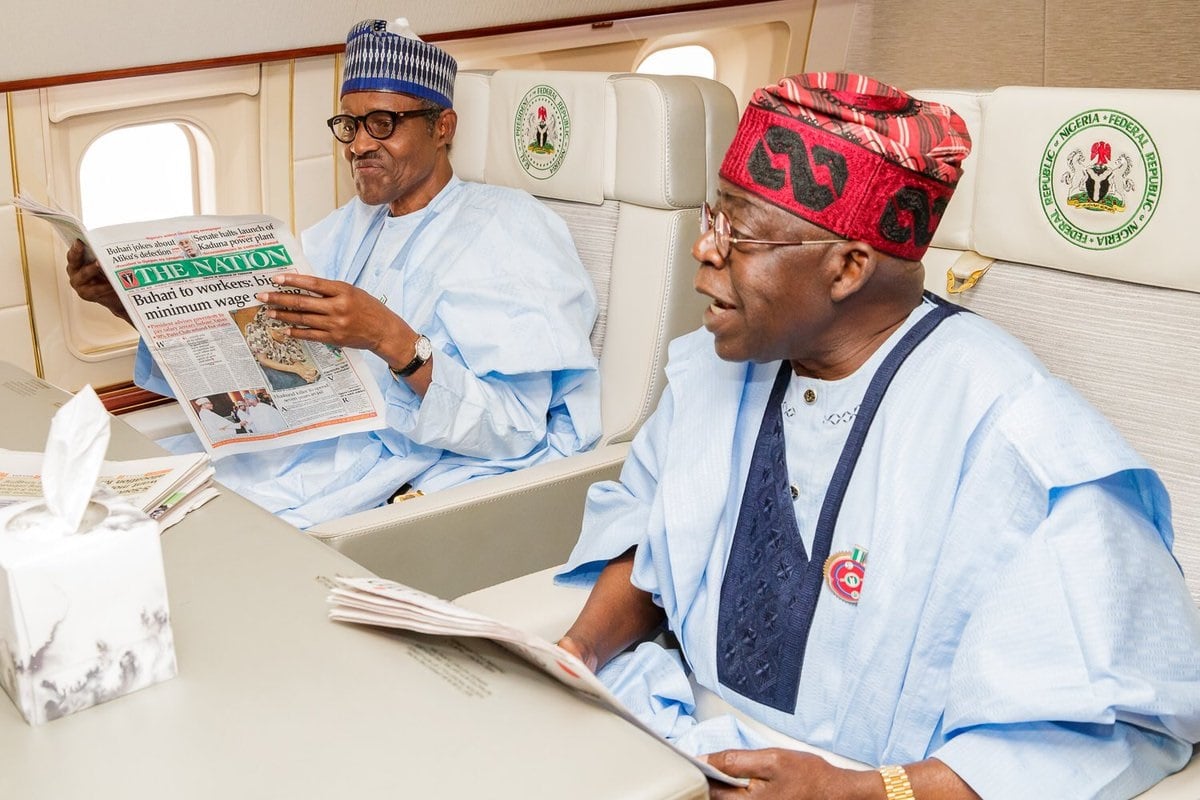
x,y
188,286
166,487
374,601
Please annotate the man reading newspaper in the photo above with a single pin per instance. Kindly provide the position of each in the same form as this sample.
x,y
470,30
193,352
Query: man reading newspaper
x,y
469,302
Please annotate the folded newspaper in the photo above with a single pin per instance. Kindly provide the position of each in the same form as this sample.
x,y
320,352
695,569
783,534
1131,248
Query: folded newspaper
x,y
374,601
188,286
166,487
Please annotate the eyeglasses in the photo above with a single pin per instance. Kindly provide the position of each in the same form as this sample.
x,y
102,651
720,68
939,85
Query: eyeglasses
x,y
380,124
721,229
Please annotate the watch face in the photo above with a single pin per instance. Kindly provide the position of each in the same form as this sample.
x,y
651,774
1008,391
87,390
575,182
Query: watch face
x,y
424,349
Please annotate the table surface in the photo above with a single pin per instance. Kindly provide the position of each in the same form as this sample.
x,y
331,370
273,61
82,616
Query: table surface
x,y
274,700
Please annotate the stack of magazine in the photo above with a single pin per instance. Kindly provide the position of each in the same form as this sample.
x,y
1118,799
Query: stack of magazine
x,y
166,487
374,601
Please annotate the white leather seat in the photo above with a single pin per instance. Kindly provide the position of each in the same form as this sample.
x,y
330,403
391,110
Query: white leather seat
x,y
1116,315
642,153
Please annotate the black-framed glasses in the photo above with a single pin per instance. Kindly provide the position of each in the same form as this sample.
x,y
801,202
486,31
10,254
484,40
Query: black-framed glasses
x,y
380,124
722,231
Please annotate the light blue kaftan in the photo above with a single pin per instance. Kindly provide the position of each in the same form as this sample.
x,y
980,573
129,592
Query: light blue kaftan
x,y
492,278
1022,618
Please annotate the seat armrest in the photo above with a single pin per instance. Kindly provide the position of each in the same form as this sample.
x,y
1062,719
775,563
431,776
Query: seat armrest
x,y
533,603
478,534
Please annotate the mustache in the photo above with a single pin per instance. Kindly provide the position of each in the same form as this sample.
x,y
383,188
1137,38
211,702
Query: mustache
x,y
364,157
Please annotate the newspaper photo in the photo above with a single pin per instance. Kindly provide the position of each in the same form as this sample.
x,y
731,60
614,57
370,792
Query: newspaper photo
x,y
384,603
188,285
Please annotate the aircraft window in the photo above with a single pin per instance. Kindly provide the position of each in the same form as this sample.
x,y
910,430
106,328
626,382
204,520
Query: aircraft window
x,y
690,59
149,171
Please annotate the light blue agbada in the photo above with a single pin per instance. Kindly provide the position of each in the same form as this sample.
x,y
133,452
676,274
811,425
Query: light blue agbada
x,y
492,278
1022,618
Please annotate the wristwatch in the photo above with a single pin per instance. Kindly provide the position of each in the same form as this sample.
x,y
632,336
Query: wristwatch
x,y
895,783
424,351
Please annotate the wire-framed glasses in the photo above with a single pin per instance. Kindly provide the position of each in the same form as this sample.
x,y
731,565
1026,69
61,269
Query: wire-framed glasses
x,y
380,124
722,231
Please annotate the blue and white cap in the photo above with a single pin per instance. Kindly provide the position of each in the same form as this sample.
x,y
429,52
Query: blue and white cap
x,y
382,60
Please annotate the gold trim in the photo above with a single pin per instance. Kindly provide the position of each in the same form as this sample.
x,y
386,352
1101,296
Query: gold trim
x,y
895,783
292,144
968,259
337,100
956,286
38,367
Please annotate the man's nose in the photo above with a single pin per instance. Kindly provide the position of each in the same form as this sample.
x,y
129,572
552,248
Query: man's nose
x,y
705,249
363,142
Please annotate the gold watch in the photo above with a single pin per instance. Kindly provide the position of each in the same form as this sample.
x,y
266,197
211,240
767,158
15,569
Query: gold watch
x,y
895,783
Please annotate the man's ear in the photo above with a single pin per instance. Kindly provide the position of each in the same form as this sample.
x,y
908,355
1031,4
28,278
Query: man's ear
x,y
853,265
447,124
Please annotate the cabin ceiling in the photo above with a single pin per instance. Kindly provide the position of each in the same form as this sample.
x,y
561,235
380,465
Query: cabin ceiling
x,y
70,37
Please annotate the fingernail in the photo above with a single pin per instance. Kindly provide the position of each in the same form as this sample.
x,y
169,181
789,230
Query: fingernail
x,y
261,297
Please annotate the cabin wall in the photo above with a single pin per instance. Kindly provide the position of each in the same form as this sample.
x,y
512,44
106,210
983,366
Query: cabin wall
x,y
266,161
274,153
16,330
984,44
272,150
69,37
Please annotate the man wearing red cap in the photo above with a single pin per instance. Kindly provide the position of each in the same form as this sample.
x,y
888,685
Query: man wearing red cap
x,y
874,524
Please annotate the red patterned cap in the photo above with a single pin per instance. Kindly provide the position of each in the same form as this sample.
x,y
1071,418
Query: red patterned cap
x,y
855,156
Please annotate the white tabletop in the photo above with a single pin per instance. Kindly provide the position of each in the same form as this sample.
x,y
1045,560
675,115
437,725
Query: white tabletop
x,y
273,700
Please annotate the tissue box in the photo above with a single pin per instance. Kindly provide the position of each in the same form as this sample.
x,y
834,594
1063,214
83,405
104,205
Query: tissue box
x,y
83,617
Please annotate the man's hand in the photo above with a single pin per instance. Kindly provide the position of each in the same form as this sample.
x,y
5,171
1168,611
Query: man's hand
x,y
790,774
342,315
345,316
584,654
779,773
88,280
616,615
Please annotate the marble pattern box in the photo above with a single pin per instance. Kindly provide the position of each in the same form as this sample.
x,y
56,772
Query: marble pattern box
x,y
83,617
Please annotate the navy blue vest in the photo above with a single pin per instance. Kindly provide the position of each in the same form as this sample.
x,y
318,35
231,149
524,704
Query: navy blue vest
x,y
771,585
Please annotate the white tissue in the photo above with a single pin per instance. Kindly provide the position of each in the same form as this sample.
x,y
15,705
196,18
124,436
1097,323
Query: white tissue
x,y
75,451
83,595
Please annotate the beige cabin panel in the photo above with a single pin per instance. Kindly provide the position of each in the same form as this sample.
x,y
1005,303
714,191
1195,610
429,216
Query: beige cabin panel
x,y
12,271
828,37
972,44
315,151
276,142
752,45
984,45
80,342
54,304
1126,46
14,332
75,99
6,177
315,99
756,55
314,190
611,56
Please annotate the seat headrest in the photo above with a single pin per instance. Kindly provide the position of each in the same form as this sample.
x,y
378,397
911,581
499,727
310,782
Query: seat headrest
x,y
1093,181
591,136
